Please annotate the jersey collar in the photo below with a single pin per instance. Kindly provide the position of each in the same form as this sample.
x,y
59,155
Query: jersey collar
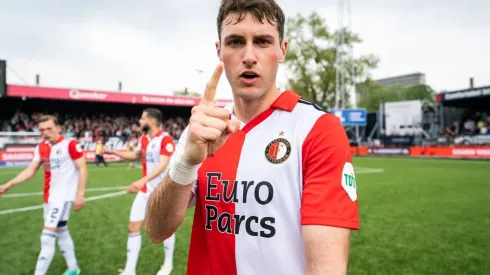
x,y
286,101
61,137
157,134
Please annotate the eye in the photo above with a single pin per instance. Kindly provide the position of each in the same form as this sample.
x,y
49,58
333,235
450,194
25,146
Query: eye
x,y
262,42
235,42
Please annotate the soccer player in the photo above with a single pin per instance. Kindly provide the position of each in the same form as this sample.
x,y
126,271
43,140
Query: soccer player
x,y
65,178
156,147
130,148
99,157
270,175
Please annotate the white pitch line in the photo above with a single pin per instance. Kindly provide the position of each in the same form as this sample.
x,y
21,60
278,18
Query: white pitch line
x,y
368,171
23,209
9,170
17,195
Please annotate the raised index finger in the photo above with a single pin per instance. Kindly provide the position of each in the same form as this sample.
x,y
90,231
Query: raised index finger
x,y
210,91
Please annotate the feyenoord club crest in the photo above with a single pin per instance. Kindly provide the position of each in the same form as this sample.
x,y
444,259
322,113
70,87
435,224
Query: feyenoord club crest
x,y
278,150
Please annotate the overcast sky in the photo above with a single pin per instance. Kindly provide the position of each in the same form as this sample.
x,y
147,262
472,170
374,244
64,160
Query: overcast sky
x,y
156,46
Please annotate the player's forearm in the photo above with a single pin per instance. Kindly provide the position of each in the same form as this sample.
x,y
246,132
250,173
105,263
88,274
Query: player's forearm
x,y
83,175
155,173
326,249
127,155
166,209
22,177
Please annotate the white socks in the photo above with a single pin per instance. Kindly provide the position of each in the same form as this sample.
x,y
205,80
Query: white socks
x,y
134,246
168,246
48,248
67,247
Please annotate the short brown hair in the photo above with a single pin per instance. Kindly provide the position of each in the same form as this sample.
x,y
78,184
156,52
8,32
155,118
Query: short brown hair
x,y
45,118
260,9
154,113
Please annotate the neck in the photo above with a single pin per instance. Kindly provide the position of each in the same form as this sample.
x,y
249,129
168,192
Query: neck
x,y
246,110
153,131
55,139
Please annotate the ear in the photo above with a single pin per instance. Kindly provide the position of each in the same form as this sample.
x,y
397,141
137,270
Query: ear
x,y
284,50
218,50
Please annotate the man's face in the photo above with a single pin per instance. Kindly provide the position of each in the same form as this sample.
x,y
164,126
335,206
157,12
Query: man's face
x,y
144,122
251,52
49,131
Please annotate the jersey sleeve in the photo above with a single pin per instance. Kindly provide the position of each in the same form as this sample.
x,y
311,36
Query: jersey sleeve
x,y
75,150
167,147
138,148
329,183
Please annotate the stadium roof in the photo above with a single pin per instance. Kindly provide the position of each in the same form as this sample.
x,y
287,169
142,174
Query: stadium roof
x,y
475,98
103,96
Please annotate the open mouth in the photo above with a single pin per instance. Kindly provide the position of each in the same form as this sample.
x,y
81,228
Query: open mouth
x,y
249,75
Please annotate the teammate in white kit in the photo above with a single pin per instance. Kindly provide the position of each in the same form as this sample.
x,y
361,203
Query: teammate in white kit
x,y
155,147
65,177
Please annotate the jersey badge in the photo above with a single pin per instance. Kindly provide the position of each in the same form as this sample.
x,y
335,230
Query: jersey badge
x,y
78,147
169,147
278,150
349,181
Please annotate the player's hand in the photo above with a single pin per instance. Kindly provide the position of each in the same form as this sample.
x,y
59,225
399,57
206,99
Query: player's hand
x,y
106,150
4,188
136,186
79,203
209,126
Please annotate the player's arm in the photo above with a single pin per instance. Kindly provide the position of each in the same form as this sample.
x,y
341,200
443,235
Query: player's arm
x,y
329,209
76,154
26,174
166,149
168,203
166,209
82,174
127,155
23,176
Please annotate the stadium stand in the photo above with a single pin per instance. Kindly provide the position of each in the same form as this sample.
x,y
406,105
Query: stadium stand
x,y
86,115
456,126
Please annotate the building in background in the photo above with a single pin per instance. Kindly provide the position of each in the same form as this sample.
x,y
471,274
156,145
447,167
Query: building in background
x,y
401,80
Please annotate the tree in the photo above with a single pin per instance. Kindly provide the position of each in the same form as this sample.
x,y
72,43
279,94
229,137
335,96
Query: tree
x,y
420,92
186,92
373,94
311,60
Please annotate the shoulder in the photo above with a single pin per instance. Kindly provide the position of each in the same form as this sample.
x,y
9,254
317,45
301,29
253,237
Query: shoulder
x,y
166,138
315,120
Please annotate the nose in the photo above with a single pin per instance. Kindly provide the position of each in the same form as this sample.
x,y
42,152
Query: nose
x,y
249,57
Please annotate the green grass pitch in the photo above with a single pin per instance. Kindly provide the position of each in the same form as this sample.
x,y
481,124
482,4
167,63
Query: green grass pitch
x,y
418,216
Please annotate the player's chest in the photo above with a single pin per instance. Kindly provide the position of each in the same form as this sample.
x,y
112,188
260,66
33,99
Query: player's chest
x,y
53,158
152,151
253,168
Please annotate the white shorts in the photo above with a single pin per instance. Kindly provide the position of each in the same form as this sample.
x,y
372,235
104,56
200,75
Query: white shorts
x,y
56,214
138,209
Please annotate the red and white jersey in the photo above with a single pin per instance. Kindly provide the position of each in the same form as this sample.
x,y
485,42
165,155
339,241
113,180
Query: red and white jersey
x,y
61,176
151,148
288,167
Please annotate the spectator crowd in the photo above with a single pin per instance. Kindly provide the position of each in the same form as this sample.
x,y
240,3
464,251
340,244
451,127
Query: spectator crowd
x,y
470,125
95,126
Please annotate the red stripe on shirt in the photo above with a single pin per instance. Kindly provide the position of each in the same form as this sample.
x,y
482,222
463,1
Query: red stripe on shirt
x,y
211,251
44,153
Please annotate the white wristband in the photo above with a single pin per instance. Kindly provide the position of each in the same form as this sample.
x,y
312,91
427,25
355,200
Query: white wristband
x,y
180,171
